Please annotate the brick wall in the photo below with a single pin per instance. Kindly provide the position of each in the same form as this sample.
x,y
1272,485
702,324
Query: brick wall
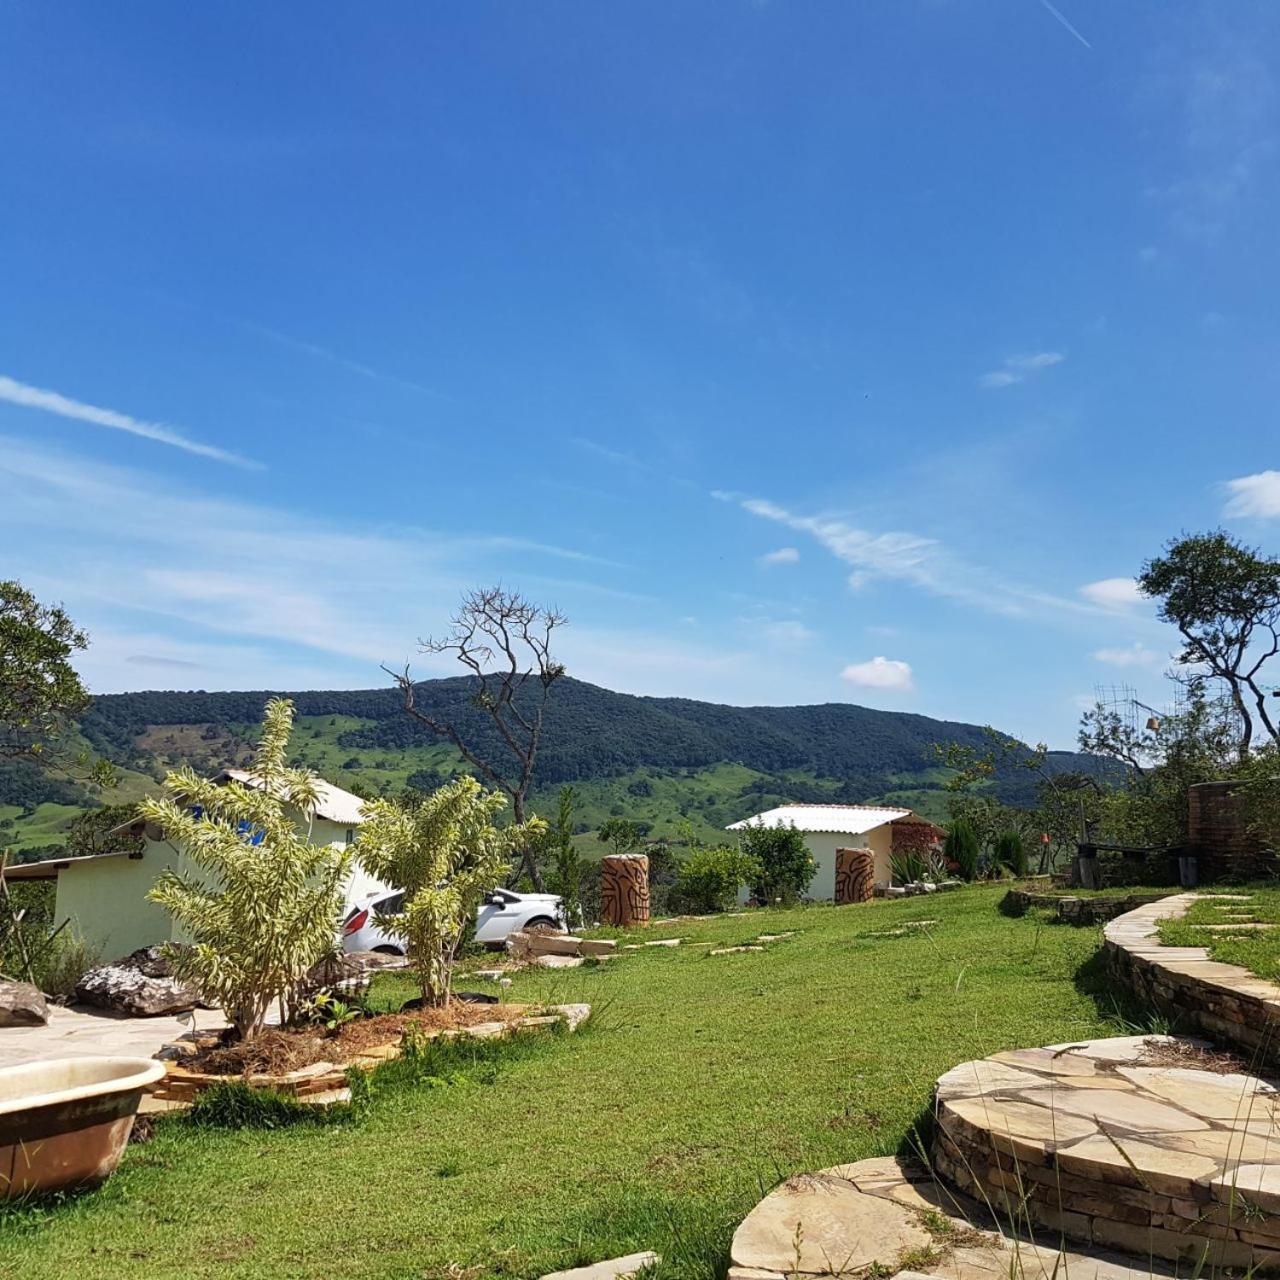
x,y
1217,831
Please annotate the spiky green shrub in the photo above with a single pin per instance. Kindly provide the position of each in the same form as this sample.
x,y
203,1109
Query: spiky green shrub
x,y
962,850
1010,853
444,854
264,904
908,866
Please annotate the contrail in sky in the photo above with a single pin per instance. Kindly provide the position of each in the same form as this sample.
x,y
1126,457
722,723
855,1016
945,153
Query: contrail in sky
x,y
1066,24
14,392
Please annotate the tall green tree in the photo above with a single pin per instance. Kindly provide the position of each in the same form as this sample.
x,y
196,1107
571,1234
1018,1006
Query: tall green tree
x,y
265,904
40,692
1224,599
962,849
444,854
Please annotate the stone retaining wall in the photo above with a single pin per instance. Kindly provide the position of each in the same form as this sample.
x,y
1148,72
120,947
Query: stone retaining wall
x,y
1092,1141
1073,910
1220,1001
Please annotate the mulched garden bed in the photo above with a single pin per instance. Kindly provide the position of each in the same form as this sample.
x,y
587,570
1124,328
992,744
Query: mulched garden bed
x,y
312,1066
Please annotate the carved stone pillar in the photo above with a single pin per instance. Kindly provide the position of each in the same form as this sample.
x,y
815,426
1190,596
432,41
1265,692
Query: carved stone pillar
x,y
855,875
624,889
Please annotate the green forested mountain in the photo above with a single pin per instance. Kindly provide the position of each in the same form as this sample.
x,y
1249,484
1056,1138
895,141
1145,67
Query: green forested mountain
x,y
655,759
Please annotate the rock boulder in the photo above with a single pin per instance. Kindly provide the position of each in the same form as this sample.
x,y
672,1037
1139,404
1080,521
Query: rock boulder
x,y
22,1005
140,984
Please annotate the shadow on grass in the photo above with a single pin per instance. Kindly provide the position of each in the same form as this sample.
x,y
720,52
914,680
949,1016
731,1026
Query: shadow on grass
x,y
1116,1003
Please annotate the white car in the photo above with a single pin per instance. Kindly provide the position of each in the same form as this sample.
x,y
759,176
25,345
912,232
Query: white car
x,y
501,913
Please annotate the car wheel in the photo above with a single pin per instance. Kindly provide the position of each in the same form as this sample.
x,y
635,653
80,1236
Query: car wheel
x,y
545,921
388,950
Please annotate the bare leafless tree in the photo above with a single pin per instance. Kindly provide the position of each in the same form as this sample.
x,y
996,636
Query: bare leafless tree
x,y
505,642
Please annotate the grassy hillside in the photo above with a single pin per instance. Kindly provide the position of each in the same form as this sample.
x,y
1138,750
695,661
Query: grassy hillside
x,y
659,761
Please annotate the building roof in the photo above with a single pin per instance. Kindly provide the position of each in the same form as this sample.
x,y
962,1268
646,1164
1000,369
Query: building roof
x,y
48,868
840,819
333,804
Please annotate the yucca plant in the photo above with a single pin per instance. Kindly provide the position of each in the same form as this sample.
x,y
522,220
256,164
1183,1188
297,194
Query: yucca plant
x,y
445,854
264,905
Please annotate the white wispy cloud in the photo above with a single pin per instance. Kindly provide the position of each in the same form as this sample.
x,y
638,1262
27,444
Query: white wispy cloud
x,y
886,674
783,555
1018,368
1256,496
911,558
188,590
319,352
1134,655
29,397
787,632
1220,102
1113,594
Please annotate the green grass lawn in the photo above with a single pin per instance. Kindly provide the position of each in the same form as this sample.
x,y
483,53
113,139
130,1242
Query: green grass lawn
x,y
1257,950
699,1082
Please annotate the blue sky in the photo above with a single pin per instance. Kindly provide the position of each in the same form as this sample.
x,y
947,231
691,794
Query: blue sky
x,y
799,352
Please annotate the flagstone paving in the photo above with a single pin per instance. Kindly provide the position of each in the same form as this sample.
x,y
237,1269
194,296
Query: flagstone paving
x,y
888,1216
1047,1162
1108,1147
1223,1001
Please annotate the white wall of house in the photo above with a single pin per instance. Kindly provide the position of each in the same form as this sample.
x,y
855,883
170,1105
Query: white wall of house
x,y
823,846
106,901
106,898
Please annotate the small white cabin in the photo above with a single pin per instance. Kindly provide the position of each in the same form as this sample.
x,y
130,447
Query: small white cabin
x,y
828,827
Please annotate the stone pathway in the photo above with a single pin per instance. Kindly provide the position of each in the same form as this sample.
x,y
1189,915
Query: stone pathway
x,y
1223,1001
1104,1143
79,1033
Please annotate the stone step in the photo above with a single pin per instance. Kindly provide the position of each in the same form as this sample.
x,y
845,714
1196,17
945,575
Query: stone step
x,y
1113,1143
890,1217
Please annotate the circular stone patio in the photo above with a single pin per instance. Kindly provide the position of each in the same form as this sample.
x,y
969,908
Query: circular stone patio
x,y
1112,1142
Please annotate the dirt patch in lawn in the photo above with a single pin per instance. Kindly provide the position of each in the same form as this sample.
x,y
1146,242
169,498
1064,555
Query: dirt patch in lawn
x,y
364,1033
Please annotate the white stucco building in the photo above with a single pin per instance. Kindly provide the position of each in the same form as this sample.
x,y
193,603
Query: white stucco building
x,y
105,895
828,827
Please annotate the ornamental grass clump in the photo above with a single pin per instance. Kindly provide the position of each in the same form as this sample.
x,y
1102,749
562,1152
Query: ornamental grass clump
x,y
962,849
444,854
263,904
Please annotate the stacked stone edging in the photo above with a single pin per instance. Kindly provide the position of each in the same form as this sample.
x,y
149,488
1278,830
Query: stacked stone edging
x,y
1070,909
1100,1143
1223,1002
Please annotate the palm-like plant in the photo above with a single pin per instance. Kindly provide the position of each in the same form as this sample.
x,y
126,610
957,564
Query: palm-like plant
x,y
264,905
445,854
